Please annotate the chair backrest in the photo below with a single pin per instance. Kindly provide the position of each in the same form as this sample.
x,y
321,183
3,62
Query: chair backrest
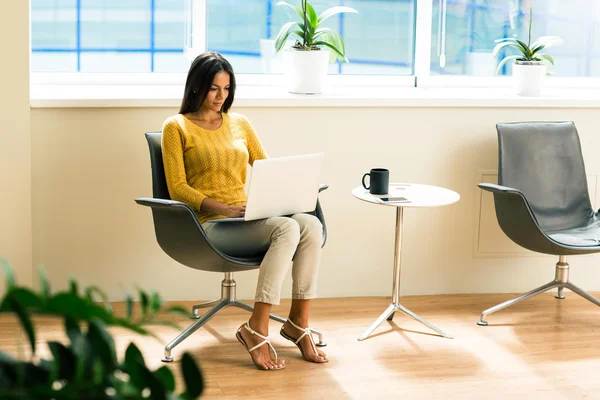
x,y
159,182
544,161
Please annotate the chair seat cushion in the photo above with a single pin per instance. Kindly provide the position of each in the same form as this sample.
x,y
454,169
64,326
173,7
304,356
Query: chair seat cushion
x,y
588,236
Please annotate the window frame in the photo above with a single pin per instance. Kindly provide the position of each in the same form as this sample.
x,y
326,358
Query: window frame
x,y
420,78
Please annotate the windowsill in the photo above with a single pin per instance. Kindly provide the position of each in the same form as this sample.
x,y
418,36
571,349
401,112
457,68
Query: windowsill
x,y
73,96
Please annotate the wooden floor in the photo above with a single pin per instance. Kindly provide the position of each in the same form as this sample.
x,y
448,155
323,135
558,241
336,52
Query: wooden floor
x,y
542,348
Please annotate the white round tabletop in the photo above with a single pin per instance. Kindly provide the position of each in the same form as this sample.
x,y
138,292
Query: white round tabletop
x,y
416,195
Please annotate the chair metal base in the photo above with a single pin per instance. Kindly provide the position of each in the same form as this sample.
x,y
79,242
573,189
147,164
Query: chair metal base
x,y
228,299
561,281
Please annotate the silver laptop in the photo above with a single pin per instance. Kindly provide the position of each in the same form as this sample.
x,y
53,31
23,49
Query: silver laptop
x,y
282,186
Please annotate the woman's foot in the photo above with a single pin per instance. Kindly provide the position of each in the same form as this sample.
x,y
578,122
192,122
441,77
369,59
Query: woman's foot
x,y
261,355
293,331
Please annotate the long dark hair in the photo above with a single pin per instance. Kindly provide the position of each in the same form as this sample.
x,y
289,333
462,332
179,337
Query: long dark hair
x,y
200,78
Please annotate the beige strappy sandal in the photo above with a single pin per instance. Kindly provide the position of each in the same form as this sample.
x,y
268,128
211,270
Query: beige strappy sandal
x,y
306,332
265,339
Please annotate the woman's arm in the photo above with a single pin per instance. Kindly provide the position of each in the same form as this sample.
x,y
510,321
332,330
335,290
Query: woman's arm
x,y
172,152
256,150
179,189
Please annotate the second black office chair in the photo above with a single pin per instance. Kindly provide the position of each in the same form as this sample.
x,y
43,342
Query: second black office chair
x,y
181,236
542,200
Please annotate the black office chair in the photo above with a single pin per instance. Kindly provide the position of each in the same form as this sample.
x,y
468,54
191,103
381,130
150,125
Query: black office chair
x,y
542,200
181,236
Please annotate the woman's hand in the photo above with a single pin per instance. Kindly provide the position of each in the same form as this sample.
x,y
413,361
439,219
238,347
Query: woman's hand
x,y
235,211
219,208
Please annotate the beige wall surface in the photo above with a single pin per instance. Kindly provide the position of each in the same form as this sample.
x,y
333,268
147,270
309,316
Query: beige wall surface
x,y
90,164
15,140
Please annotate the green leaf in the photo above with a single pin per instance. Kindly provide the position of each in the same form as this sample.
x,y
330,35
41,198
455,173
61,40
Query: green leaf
x,y
166,377
44,282
133,360
335,39
104,346
29,300
192,376
313,18
156,302
24,319
89,294
335,10
340,55
64,360
72,329
547,58
536,49
504,61
145,302
282,36
298,10
9,275
128,307
71,305
73,286
526,49
502,45
549,62
151,381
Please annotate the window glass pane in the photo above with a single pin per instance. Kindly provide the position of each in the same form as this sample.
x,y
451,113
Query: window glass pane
x,y
379,39
471,26
108,35
148,35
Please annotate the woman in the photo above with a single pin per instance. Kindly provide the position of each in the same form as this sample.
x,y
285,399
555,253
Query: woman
x,y
205,152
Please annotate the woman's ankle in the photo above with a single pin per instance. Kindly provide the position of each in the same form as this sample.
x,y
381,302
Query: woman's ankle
x,y
259,326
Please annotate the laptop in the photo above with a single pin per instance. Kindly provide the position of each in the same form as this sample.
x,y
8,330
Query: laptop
x,y
282,186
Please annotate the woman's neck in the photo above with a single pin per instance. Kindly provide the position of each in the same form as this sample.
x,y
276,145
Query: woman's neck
x,y
206,115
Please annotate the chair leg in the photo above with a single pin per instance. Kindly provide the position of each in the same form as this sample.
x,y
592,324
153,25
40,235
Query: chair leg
x,y
274,317
192,328
582,293
560,294
541,289
196,314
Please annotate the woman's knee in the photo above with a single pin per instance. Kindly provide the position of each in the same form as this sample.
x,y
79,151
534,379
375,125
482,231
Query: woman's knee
x,y
309,225
287,228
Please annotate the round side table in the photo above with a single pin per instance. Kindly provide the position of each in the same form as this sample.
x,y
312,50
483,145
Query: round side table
x,y
417,196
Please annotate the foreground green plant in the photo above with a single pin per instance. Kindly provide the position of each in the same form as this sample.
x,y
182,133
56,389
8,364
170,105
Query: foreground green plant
x,y
309,32
529,52
87,367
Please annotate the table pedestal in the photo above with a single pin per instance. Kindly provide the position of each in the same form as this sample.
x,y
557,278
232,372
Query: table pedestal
x,y
395,305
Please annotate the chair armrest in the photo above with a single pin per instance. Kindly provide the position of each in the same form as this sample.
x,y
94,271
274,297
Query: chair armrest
x,y
517,220
490,187
323,187
161,203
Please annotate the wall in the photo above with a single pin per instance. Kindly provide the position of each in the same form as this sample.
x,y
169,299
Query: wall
x,y
15,141
90,164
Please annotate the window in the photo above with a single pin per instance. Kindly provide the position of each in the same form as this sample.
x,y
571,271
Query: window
x,y
150,35
463,33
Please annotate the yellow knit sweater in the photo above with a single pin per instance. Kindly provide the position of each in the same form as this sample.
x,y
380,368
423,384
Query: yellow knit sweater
x,y
201,163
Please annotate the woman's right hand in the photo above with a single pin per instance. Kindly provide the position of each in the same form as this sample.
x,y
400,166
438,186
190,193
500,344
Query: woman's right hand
x,y
235,211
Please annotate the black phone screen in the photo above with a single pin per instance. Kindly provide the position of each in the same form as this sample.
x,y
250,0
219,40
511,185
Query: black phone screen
x,y
391,199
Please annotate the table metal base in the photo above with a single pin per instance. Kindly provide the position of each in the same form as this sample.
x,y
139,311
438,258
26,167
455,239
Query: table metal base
x,y
389,314
395,305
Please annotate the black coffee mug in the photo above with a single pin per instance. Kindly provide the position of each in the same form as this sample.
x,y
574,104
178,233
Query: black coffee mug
x,y
379,182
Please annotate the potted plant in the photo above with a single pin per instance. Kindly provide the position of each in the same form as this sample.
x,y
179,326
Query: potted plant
x,y
530,66
85,365
307,60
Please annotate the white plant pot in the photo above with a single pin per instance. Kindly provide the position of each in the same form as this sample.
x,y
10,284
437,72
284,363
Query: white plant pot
x,y
306,71
529,77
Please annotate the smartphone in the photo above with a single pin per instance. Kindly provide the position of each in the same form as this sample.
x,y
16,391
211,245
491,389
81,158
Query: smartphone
x,y
392,199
